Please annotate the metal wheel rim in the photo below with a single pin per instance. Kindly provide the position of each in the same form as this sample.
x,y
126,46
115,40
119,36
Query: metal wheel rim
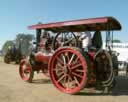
x,y
25,71
73,77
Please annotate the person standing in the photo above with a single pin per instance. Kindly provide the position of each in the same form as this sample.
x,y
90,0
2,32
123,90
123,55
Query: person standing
x,y
86,40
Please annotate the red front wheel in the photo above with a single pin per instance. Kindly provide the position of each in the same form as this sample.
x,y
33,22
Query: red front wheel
x,y
25,71
68,70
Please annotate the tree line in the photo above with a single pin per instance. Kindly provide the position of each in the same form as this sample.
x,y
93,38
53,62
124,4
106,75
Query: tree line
x,y
21,42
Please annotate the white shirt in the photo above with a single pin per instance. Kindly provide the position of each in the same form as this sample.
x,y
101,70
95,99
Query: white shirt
x,y
86,39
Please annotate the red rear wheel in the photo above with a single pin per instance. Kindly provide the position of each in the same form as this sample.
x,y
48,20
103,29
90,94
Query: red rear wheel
x,y
68,70
25,71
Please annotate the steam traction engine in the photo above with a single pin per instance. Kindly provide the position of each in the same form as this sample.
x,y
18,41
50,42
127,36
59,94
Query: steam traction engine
x,y
62,58
13,54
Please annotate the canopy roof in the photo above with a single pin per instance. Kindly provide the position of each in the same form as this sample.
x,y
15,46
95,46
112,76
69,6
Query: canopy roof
x,y
92,24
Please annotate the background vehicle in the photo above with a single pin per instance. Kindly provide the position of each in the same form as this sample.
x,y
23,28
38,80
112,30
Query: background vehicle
x,y
122,55
70,68
13,54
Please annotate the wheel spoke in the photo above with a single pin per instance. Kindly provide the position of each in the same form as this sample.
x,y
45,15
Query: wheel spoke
x,y
57,69
76,66
60,60
69,82
59,66
76,60
64,83
62,77
69,41
77,75
73,55
64,59
59,74
79,70
76,80
67,55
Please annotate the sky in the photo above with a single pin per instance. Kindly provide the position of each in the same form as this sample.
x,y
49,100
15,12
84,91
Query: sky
x,y
17,15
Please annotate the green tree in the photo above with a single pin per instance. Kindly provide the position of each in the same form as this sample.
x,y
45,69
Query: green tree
x,y
6,45
23,42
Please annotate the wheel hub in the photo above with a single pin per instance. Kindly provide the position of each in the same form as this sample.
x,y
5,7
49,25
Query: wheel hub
x,y
67,69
